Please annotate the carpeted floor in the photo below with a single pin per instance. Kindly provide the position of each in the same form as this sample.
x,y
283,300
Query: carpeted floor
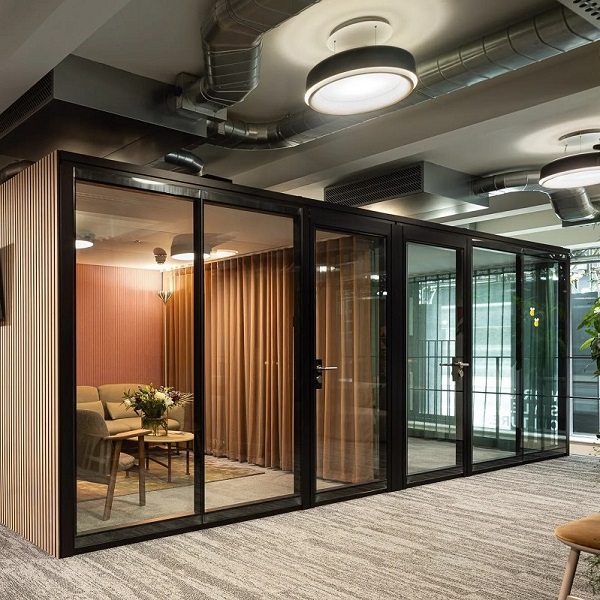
x,y
488,537
156,476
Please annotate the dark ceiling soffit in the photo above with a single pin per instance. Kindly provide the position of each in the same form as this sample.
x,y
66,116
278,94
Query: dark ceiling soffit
x,y
548,34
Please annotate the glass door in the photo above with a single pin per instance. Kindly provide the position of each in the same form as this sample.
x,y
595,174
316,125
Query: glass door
x,y
437,364
495,339
349,367
543,320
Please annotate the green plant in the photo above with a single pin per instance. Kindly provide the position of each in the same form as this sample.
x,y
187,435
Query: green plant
x,y
590,323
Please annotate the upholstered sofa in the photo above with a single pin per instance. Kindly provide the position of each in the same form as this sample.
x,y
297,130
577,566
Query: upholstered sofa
x,y
107,400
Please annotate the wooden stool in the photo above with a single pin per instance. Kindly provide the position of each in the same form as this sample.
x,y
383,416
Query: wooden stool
x,y
582,535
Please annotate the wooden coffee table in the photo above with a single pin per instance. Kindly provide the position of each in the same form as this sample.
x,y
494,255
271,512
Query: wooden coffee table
x,y
173,438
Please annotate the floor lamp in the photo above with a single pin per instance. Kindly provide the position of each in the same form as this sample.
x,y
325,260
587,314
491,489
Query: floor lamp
x,y
165,296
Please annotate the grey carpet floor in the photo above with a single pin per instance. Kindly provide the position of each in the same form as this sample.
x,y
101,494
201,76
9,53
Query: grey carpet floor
x,y
488,537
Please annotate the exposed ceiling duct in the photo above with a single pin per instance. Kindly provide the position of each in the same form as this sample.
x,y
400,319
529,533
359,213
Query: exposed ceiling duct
x,y
573,206
232,43
548,34
188,161
9,171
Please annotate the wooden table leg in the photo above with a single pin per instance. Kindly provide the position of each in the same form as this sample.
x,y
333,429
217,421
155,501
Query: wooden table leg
x,y
142,470
169,462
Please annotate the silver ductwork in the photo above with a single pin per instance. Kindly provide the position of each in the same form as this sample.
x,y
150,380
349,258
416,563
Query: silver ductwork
x,y
573,205
570,206
232,43
9,171
548,34
186,160
502,183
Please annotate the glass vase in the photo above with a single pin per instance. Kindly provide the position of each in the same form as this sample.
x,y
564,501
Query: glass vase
x,y
158,425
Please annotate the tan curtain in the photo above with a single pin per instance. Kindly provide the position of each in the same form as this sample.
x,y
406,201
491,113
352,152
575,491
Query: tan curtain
x,y
249,358
180,335
345,405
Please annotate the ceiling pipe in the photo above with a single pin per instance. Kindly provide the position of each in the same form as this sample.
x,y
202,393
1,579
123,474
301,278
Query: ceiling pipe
x,y
187,160
548,34
13,169
232,44
569,205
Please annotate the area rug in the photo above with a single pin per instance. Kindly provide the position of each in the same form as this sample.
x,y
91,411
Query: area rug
x,y
156,477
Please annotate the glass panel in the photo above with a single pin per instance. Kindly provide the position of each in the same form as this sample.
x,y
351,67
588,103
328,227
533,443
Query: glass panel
x,y
494,354
123,340
434,402
350,306
540,355
584,390
249,360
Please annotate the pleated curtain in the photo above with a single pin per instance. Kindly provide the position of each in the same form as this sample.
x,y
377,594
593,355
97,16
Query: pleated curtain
x,y
347,326
249,304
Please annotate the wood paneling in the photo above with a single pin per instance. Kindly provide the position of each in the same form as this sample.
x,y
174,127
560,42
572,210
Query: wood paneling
x,y
119,325
29,461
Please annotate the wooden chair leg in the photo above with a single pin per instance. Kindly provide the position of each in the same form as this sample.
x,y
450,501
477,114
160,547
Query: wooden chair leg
x,y
567,582
114,467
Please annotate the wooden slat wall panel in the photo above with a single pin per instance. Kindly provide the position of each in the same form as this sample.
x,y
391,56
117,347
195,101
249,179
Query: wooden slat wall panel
x,y
29,355
119,325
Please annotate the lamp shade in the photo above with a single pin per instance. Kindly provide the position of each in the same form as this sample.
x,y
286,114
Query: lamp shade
x,y
578,170
361,80
84,241
182,247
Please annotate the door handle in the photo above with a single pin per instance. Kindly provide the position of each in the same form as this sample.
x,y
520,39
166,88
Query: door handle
x,y
319,368
459,364
457,369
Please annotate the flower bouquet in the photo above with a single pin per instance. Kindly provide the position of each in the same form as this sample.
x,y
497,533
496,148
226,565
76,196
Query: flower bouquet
x,y
152,403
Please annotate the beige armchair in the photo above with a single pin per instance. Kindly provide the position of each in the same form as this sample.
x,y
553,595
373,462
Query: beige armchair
x,y
99,456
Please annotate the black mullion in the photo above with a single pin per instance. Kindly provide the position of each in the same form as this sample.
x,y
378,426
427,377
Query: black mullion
x,y
67,505
564,365
199,370
305,384
519,308
396,340
466,288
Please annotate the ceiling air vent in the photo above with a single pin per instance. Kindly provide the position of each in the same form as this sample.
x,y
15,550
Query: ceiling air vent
x,y
28,103
406,180
422,189
587,9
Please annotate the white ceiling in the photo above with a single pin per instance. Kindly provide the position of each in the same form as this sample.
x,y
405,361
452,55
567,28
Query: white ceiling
x,y
511,122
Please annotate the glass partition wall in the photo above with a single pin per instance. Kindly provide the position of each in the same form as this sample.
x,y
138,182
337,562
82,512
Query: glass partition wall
x,y
127,285
301,355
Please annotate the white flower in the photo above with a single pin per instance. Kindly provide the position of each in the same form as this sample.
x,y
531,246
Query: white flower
x,y
127,402
160,396
597,310
168,402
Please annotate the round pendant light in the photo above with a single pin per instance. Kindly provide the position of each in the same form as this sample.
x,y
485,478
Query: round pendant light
x,y
84,241
575,170
578,170
182,247
361,80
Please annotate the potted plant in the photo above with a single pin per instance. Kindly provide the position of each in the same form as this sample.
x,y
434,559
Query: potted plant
x,y
590,323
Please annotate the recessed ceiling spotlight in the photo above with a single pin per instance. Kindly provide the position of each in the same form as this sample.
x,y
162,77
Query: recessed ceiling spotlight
x,y
361,79
575,170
